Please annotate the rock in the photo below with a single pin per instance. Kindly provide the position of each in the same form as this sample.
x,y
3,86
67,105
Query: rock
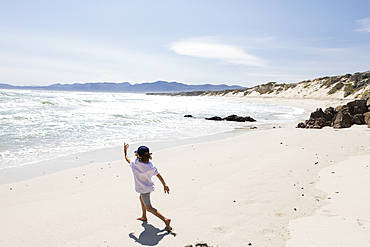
x,y
358,119
317,114
329,114
343,116
368,103
249,119
367,117
357,110
317,123
301,125
357,107
318,119
343,108
234,118
188,116
342,120
202,245
216,118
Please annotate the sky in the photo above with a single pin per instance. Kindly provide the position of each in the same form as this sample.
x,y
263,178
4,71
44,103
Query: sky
x,y
231,42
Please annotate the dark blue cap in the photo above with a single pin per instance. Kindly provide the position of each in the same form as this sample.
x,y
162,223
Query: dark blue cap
x,y
143,150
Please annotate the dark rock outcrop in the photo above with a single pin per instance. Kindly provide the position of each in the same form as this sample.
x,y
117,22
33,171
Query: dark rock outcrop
x,y
358,107
318,119
302,125
216,118
367,118
344,116
234,118
342,120
329,113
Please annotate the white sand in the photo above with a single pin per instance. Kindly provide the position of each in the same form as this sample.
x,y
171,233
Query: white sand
x,y
346,220
262,187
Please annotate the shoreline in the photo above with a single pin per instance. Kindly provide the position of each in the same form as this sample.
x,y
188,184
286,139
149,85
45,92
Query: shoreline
x,y
41,168
259,187
71,161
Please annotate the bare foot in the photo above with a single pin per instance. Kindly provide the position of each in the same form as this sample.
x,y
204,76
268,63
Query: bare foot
x,y
142,219
168,222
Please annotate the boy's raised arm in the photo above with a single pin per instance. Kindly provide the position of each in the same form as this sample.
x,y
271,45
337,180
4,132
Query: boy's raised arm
x,y
125,147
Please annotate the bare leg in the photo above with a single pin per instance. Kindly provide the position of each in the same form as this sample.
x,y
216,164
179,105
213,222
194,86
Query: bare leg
x,y
143,208
159,215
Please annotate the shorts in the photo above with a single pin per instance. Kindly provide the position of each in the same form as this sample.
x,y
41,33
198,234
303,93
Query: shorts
x,y
145,198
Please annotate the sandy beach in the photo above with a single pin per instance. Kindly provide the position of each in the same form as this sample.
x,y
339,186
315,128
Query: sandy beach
x,y
272,187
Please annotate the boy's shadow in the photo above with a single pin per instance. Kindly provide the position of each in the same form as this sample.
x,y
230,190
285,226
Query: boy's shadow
x,y
151,235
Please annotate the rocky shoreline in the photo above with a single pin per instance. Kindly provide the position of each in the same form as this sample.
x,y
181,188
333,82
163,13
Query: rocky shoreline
x,y
233,118
343,88
343,116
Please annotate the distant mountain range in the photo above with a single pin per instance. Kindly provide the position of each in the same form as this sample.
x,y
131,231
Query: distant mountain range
x,y
126,87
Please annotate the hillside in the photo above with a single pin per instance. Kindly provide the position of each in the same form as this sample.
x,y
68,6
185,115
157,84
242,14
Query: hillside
x,y
349,86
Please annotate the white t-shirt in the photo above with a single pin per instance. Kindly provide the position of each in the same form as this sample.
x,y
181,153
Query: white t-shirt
x,y
143,173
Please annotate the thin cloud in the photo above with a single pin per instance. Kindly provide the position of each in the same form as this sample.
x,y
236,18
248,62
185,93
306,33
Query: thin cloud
x,y
226,53
364,25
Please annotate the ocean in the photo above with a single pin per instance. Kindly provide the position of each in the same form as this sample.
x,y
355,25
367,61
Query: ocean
x,y
41,125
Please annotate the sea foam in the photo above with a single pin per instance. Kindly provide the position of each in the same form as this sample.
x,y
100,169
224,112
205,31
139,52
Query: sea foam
x,y
41,125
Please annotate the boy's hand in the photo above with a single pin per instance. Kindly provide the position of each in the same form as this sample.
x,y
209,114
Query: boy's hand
x,y
166,189
125,147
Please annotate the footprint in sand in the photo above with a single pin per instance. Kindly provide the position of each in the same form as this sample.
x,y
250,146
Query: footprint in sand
x,y
280,214
268,232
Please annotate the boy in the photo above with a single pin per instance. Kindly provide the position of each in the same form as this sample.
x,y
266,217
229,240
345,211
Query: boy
x,y
143,170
